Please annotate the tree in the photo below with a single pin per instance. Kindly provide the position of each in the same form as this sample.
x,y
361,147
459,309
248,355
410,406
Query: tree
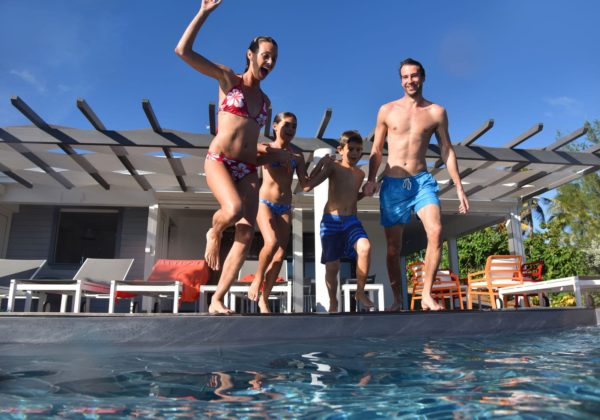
x,y
473,249
576,206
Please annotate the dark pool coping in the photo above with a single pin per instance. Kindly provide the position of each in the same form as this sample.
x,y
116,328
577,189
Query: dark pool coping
x,y
203,329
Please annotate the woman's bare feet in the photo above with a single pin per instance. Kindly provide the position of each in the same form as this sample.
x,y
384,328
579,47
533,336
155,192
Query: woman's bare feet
x,y
363,299
217,307
254,290
263,305
213,245
428,304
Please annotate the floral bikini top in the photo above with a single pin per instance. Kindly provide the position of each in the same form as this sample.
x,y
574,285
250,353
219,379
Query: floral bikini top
x,y
235,103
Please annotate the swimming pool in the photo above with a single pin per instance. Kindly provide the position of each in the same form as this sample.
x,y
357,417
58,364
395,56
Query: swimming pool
x,y
549,374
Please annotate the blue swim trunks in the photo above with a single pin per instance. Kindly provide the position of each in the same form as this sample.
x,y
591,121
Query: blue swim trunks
x,y
276,208
338,236
401,196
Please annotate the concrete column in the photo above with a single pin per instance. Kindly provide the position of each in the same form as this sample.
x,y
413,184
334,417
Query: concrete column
x,y
453,255
515,237
150,250
298,262
6,213
320,199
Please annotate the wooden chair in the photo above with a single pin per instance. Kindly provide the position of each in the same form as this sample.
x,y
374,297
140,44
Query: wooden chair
x,y
500,271
445,285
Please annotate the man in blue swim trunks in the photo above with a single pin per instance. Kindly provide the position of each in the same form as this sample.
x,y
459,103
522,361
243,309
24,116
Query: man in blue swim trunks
x,y
408,123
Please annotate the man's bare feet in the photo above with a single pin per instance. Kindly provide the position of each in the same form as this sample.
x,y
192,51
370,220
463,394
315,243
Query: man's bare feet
x,y
333,306
396,307
263,305
428,304
364,300
254,290
213,245
217,307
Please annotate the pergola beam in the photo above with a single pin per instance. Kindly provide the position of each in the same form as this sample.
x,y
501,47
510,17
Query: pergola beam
x,y
558,183
537,128
553,147
477,133
147,106
471,138
9,173
19,147
89,113
119,151
324,123
567,139
212,118
158,129
29,113
64,142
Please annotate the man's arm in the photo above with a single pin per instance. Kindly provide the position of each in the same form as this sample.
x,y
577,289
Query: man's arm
x,y
449,158
376,157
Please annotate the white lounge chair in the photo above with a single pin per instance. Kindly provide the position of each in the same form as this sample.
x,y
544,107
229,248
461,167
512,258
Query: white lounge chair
x,y
93,278
21,269
575,284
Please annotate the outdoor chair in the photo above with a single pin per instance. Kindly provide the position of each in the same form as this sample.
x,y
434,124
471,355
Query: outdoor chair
x,y
372,289
500,271
445,285
282,289
91,280
179,280
532,273
22,269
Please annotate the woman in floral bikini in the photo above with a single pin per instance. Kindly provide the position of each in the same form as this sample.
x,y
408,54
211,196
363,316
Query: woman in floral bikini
x,y
231,160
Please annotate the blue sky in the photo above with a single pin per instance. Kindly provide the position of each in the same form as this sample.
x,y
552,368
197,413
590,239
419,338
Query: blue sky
x,y
518,62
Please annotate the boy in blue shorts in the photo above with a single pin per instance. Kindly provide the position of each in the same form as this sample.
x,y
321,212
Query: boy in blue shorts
x,y
342,234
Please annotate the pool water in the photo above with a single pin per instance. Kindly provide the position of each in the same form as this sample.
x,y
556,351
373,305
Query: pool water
x,y
535,375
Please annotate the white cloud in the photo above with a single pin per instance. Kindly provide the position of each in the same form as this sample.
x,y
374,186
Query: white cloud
x,y
29,78
564,102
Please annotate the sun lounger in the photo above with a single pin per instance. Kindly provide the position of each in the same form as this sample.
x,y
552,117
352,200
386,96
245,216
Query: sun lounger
x,y
179,280
575,284
22,269
93,278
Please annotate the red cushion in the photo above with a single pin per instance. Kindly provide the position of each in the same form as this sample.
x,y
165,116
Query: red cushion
x,y
192,273
248,278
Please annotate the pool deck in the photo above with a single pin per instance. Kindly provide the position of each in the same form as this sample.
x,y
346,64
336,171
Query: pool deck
x,y
193,330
